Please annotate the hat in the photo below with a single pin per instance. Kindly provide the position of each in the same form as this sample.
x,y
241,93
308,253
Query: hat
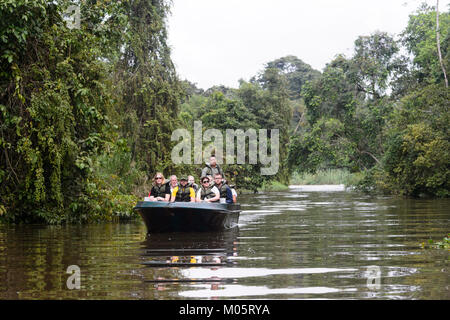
x,y
183,178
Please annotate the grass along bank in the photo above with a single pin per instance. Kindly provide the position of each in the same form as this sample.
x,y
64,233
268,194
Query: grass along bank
x,y
321,177
326,176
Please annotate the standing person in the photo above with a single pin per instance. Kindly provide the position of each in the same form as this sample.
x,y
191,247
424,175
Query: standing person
x,y
184,192
160,190
224,189
211,168
192,183
206,193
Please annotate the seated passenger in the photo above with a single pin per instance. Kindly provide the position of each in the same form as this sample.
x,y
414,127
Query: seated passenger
x,y
206,193
173,182
226,196
183,192
233,191
192,183
160,190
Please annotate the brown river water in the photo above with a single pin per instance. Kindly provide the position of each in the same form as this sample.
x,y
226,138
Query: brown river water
x,y
306,243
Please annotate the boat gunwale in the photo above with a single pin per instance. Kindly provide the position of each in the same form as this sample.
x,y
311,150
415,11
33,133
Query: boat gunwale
x,y
224,207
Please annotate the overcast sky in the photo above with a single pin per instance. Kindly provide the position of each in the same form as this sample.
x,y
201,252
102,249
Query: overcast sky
x,y
221,41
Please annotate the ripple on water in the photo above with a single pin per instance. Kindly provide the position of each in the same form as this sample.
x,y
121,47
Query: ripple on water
x,y
310,242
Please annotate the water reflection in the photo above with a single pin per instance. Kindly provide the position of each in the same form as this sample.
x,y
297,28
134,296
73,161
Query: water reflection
x,y
307,243
170,254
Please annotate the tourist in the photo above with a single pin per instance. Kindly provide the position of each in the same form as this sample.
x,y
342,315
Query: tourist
x,y
173,183
191,182
211,168
160,190
206,193
184,192
226,196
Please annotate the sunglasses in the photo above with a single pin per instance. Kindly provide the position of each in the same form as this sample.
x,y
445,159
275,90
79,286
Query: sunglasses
x,y
158,177
206,181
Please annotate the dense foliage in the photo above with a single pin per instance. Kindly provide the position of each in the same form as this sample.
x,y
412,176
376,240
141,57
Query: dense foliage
x,y
79,106
87,113
382,113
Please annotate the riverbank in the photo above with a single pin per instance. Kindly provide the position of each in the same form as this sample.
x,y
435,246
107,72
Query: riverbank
x,y
327,177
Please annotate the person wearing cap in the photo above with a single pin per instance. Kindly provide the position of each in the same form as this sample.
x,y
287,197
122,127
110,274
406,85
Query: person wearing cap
x,y
183,192
206,193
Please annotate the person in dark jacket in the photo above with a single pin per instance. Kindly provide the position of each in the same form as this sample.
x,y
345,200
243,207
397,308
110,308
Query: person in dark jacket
x,y
160,190
225,192
183,192
211,168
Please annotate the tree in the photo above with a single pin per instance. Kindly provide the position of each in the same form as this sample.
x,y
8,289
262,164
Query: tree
x,y
420,38
268,99
147,85
70,96
438,43
297,74
333,94
353,93
374,62
53,110
417,146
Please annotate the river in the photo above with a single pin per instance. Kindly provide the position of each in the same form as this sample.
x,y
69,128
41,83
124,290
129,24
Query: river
x,y
306,243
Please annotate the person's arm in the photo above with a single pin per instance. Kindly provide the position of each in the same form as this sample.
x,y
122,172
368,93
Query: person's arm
x,y
229,195
216,197
174,194
192,194
152,198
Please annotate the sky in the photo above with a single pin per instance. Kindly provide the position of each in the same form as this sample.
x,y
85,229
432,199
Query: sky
x,y
218,42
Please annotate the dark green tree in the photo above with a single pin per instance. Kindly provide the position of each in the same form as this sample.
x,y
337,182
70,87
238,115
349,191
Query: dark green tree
x,y
53,109
148,89
417,155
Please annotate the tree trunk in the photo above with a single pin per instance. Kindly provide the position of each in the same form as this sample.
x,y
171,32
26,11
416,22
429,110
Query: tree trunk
x,y
439,44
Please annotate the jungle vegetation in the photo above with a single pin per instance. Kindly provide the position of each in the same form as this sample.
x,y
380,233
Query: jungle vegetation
x,y
87,114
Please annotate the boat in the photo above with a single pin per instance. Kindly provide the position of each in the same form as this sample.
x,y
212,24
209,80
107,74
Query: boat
x,y
160,216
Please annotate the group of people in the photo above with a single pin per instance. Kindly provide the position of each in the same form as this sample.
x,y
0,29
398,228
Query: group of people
x,y
213,187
